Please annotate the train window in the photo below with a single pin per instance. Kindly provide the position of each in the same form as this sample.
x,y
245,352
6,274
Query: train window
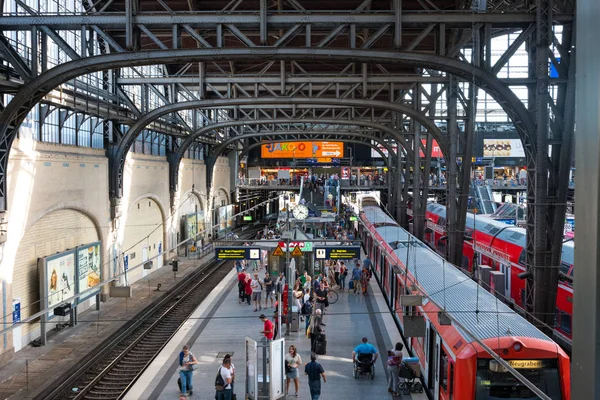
x,y
444,371
451,380
465,263
523,257
564,322
564,269
496,382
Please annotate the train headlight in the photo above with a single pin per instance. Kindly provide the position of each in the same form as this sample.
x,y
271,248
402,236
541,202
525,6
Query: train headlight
x,y
517,347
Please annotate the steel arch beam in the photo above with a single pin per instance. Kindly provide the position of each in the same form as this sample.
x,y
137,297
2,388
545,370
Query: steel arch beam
x,y
141,124
176,156
32,93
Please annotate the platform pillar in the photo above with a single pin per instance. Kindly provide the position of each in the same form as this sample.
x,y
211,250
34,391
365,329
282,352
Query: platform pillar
x,y
585,367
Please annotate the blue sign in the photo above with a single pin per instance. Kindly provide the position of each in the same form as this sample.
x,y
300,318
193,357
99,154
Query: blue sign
x,y
337,252
237,253
126,262
553,70
159,247
16,314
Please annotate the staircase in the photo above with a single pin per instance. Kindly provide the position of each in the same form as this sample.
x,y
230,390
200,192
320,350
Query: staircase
x,y
485,199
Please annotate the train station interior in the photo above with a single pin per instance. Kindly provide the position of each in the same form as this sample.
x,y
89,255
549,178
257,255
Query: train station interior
x,y
162,163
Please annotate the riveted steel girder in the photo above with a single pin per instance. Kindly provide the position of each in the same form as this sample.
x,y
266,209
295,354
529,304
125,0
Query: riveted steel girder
x,y
200,20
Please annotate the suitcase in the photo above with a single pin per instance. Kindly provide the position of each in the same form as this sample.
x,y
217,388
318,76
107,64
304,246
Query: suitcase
x,y
321,345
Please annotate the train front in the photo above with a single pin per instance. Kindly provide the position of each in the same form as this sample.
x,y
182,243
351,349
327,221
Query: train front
x,y
541,362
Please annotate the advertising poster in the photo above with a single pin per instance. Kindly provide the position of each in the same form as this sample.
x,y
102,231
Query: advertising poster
x,y
302,150
222,218
503,148
345,173
200,217
192,226
230,216
89,266
60,278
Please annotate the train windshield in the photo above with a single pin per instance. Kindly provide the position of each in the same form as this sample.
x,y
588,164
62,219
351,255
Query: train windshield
x,y
494,382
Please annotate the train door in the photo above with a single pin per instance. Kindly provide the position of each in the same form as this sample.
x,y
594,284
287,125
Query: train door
x,y
505,269
433,361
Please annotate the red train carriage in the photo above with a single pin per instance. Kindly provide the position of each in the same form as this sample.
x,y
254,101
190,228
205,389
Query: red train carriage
x,y
453,364
502,247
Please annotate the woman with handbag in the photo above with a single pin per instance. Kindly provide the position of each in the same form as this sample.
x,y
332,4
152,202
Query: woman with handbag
x,y
292,362
186,369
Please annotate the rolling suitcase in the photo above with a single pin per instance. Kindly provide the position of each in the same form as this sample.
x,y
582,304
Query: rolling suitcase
x,y
321,345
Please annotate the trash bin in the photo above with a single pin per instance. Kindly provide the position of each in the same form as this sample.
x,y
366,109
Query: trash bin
x,y
295,325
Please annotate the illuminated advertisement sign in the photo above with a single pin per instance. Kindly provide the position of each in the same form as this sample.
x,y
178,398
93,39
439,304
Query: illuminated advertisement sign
x,y
435,151
503,148
302,150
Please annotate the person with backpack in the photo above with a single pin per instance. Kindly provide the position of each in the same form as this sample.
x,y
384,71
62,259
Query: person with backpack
x,y
224,380
186,370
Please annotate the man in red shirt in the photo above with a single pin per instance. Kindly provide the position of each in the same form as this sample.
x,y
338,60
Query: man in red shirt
x,y
268,327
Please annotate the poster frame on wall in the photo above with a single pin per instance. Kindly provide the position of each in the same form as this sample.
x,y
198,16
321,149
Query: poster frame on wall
x,y
45,276
78,271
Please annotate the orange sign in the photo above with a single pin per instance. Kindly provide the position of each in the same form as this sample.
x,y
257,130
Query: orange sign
x,y
302,150
278,252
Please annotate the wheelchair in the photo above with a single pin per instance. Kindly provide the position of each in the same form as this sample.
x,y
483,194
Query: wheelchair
x,y
364,365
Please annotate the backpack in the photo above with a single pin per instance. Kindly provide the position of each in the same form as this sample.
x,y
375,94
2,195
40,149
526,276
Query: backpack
x,y
219,381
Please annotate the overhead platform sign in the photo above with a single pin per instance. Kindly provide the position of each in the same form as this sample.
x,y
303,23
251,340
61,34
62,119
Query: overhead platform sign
x,y
337,252
237,253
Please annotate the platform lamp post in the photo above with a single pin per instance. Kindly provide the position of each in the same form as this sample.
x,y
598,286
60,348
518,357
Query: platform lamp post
x,y
288,325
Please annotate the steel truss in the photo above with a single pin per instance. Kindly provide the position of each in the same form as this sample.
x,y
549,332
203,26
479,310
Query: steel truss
x,y
234,59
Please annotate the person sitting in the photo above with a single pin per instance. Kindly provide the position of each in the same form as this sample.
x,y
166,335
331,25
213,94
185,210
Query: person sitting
x,y
364,349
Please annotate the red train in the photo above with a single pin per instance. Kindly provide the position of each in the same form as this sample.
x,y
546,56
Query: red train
x,y
453,359
502,247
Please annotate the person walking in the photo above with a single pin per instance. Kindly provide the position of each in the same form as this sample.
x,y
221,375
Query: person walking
x,y
316,329
267,328
268,289
343,276
292,362
315,372
256,292
393,364
225,372
356,275
186,370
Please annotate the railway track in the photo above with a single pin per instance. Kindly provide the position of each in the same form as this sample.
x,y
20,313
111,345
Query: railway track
x,y
116,364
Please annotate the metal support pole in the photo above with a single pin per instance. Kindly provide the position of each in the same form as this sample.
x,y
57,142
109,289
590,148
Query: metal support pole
x,y
451,167
265,386
585,367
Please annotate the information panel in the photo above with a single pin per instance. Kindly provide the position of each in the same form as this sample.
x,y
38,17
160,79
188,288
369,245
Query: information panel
x,y
251,370
57,274
277,369
237,253
337,252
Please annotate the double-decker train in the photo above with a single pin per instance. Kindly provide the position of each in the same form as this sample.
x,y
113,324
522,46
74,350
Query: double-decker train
x,y
502,247
462,322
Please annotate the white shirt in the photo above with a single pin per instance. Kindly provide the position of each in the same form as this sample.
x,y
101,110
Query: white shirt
x,y
255,285
226,374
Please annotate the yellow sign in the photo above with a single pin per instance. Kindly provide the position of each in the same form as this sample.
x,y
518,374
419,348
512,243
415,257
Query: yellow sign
x,y
193,249
297,252
525,364
278,252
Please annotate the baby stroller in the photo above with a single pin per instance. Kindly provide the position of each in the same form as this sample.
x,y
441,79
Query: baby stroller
x,y
411,372
364,365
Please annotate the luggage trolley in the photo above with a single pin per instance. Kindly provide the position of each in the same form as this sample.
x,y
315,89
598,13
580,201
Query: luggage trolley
x,y
411,372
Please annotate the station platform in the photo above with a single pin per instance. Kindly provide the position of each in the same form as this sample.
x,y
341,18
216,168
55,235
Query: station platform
x,y
221,324
66,347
